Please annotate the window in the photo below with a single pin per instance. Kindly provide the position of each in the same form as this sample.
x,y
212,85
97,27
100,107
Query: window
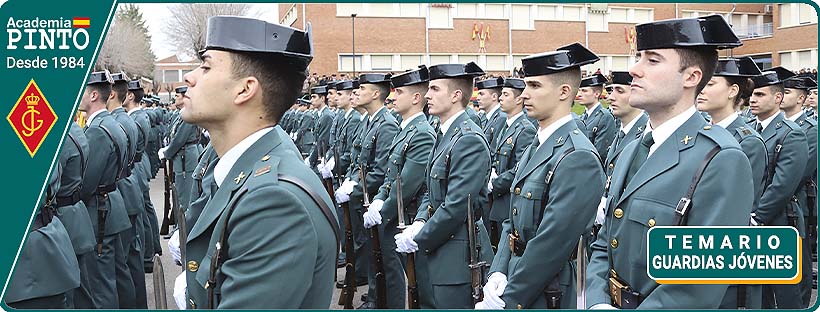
x,y
786,60
547,12
573,13
381,62
381,9
620,63
689,14
410,9
597,22
186,71
496,62
439,59
643,16
170,75
517,60
466,58
345,9
618,15
494,11
410,61
807,13
763,61
804,60
346,63
521,18
467,10
440,17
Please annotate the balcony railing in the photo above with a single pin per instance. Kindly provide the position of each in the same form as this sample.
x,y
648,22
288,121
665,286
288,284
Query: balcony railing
x,y
753,31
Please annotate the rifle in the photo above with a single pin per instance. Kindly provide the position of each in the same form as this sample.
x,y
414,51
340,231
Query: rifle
x,y
477,268
349,288
412,286
375,242
167,220
159,284
580,272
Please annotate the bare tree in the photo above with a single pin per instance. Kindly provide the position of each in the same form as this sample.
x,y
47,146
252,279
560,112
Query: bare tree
x,y
127,46
187,26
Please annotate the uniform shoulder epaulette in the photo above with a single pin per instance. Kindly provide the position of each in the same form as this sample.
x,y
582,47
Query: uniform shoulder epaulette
x,y
810,121
788,123
575,136
718,136
744,132
265,170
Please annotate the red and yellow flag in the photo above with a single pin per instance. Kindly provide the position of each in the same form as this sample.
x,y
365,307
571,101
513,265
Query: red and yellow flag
x,y
81,22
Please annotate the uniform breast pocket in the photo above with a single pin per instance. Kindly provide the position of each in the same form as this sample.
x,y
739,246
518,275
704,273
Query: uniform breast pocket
x,y
438,183
645,213
531,197
504,154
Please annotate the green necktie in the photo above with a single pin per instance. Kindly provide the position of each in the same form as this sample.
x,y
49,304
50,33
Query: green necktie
x,y
759,128
640,156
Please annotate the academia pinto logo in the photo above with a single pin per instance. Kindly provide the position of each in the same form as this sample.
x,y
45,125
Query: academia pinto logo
x,y
32,118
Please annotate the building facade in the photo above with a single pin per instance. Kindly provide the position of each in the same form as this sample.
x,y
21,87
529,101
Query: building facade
x,y
393,37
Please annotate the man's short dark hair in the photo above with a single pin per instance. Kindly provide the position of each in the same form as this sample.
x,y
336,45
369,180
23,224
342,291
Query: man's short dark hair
x,y
384,91
280,79
103,89
571,77
465,84
599,89
121,87
777,88
703,58
138,94
497,91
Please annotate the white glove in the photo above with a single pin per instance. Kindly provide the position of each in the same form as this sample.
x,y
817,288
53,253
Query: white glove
x,y
307,162
493,176
603,306
601,216
325,170
404,240
161,152
173,247
373,216
347,186
320,166
330,164
485,305
752,220
295,136
496,284
342,197
180,288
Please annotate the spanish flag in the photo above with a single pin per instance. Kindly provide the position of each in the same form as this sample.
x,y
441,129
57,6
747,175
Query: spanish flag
x,y
81,22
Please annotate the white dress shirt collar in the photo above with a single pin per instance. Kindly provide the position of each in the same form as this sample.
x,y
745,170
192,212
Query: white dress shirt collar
x,y
407,121
766,122
512,119
727,121
446,125
669,127
589,111
226,162
545,133
94,114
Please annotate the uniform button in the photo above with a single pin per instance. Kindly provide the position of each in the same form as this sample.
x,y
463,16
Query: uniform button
x,y
613,243
611,165
515,211
529,195
619,213
192,303
651,222
452,236
427,251
193,266
519,306
517,190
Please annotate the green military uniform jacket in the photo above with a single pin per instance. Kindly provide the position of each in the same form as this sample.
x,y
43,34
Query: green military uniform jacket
x,y
509,150
128,185
458,167
601,129
203,187
808,185
650,198
343,145
621,141
321,133
70,209
47,265
105,160
305,138
377,136
183,151
273,233
492,128
554,188
789,168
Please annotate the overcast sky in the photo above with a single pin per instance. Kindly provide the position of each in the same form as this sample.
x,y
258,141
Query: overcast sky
x,y
157,14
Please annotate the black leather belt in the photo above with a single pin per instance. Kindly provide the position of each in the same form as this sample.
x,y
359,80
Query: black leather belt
x,y
69,200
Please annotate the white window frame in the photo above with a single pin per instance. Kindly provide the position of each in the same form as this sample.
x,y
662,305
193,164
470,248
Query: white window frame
x,y
429,19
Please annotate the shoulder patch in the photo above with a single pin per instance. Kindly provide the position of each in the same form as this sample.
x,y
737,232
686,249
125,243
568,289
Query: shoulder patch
x,y
721,138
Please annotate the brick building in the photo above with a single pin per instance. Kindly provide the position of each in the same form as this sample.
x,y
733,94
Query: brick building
x,y
168,74
399,36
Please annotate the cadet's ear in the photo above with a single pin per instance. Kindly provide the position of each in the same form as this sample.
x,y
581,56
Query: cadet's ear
x,y
566,93
457,96
247,89
692,76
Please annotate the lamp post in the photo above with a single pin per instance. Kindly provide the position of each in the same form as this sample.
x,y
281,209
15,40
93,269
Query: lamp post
x,y
353,20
